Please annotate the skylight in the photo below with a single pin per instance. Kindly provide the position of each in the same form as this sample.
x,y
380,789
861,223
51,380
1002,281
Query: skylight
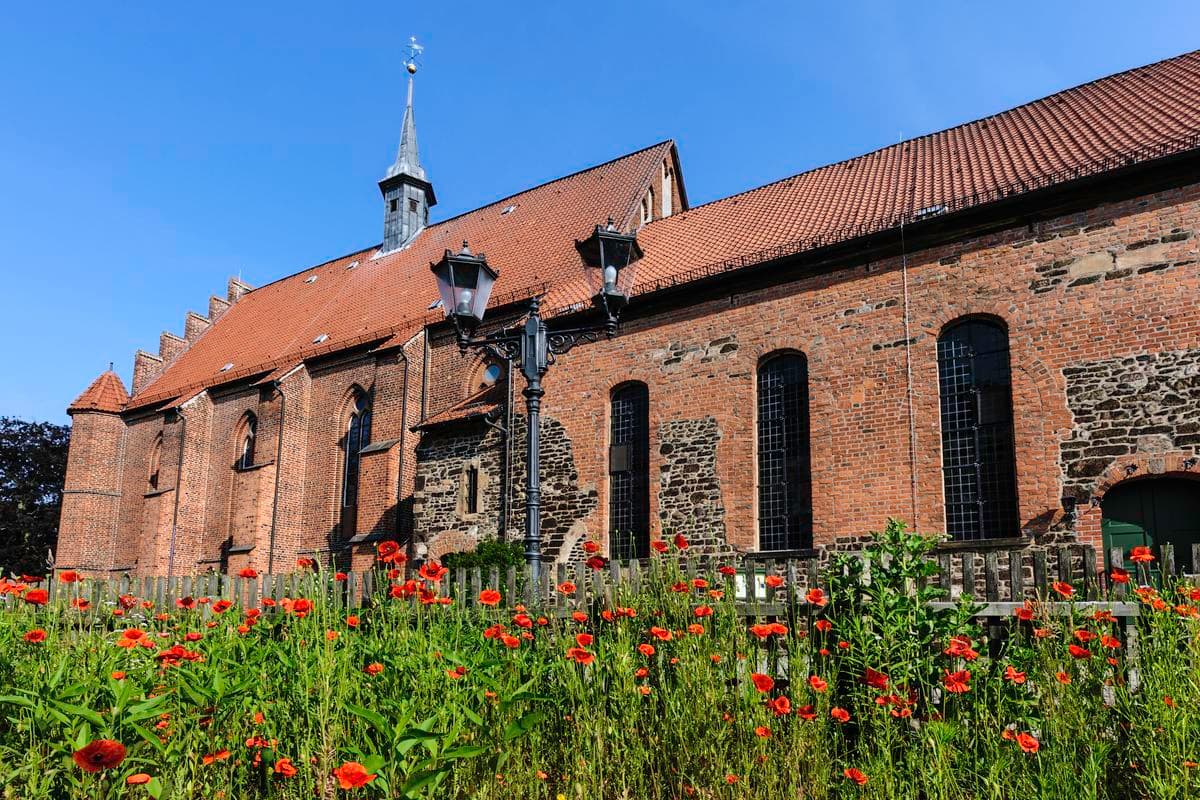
x,y
226,368
508,210
435,304
321,338
352,264
311,279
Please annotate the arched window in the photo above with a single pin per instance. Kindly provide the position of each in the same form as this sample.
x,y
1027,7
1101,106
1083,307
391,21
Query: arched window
x,y
629,473
358,436
978,457
487,375
154,464
247,431
784,468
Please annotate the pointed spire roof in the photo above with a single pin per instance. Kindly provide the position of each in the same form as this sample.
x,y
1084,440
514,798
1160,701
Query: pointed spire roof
x,y
408,160
106,393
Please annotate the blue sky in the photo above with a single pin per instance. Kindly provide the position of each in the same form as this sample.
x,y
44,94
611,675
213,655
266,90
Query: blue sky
x,y
148,151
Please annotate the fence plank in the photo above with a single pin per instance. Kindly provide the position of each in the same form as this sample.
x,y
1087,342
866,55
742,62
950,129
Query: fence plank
x,y
945,572
968,572
1091,586
991,576
1039,571
1016,575
1168,560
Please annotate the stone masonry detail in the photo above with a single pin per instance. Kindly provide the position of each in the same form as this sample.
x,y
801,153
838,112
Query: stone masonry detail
x,y
1145,404
689,495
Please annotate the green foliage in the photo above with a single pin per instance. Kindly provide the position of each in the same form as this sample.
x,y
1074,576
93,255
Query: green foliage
x,y
33,464
488,704
488,553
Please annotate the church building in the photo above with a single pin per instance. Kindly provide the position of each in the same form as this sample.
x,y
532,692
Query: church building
x,y
991,332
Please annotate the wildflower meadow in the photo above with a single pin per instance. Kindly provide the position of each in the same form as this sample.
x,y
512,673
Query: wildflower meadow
x,y
870,687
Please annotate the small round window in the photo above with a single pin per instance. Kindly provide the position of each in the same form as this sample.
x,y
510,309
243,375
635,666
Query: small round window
x,y
488,375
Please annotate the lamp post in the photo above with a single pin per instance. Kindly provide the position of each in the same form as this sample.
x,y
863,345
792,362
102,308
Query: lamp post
x,y
465,282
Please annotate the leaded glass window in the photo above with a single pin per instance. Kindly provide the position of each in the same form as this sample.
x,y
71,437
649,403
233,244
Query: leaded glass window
x,y
978,455
785,519
358,436
628,473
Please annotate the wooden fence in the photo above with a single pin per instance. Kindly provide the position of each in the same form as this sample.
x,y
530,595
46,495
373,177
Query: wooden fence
x,y
1001,580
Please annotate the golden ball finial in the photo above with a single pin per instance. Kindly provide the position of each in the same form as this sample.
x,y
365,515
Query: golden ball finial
x,y
411,67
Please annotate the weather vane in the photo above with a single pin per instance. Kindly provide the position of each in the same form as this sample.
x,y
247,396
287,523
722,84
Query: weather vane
x,y
414,53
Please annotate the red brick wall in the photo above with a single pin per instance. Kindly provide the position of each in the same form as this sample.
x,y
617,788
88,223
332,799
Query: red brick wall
x,y
1120,279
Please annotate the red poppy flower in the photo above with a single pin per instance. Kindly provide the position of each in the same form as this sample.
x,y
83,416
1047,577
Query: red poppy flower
x,y
352,775
807,712
35,636
248,573
579,616
284,768
876,680
432,571
763,732
119,675
1084,635
681,541
781,706
960,647
764,683
99,755
662,634
566,587
211,758
1063,588
305,563
374,668
37,597
1079,652
1024,613
1119,575
591,547
1028,743
1011,674
773,581
597,562
647,650
68,576
815,597
1062,678
839,714
727,570
823,625
489,597
580,656
856,775
1141,555
138,779
702,611
817,684
457,672
584,639
957,682
386,551
659,546
1111,642
302,606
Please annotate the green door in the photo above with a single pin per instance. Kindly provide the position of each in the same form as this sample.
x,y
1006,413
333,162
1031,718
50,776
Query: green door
x,y
1156,511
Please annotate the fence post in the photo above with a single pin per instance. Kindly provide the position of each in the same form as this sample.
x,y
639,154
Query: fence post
x,y
1039,571
1091,587
1168,562
968,569
991,576
1131,657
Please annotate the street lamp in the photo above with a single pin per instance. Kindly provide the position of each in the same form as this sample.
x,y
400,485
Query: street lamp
x,y
465,282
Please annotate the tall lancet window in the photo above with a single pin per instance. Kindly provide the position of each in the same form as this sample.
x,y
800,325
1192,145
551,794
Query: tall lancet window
x,y
358,436
978,455
629,473
785,519
248,433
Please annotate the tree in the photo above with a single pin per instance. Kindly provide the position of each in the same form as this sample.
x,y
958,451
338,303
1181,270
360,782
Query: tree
x,y
33,465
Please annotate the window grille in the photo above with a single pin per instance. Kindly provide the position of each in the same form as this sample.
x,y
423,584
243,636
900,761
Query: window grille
x,y
358,436
628,472
978,455
785,517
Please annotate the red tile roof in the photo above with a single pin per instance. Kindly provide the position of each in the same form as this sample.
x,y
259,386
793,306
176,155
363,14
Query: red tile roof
x,y
106,393
480,404
1141,114
358,298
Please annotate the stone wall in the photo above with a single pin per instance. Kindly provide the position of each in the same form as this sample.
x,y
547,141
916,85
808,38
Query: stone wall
x,y
442,457
689,494
1146,404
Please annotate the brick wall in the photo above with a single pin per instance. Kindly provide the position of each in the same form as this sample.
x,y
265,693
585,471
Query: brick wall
x,y
1100,306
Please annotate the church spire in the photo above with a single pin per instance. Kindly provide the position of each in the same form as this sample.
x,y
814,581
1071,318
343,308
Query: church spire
x,y
407,194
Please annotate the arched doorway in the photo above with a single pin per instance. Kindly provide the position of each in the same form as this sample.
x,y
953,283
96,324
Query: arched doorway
x,y
1153,511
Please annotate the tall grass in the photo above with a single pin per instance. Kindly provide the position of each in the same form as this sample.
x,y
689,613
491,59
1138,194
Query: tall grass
x,y
440,701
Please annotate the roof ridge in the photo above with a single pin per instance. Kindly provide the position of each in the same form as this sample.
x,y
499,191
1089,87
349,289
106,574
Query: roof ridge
x,y
535,187
544,184
868,153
